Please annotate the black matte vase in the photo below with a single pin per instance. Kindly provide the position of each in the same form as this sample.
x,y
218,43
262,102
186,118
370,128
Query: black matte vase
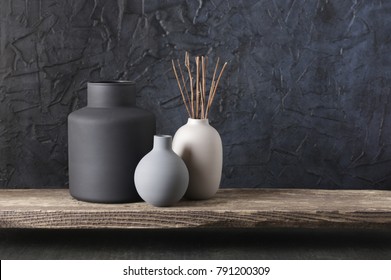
x,y
106,140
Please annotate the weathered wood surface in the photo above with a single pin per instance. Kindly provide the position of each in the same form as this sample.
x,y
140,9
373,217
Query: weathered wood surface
x,y
230,208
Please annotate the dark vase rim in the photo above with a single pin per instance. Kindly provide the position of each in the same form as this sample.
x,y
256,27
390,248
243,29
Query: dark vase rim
x,y
112,83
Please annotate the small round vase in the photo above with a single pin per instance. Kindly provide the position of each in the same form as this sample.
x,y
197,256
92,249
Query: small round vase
x,y
200,147
161,177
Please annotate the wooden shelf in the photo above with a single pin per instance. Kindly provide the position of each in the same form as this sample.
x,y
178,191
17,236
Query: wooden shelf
x,y
230,208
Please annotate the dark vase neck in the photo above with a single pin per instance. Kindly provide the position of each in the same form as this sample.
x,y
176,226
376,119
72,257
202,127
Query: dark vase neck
x,y
111,94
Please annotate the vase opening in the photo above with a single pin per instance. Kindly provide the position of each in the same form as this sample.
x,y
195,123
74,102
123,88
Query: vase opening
x,y
162,141
112,82
197,121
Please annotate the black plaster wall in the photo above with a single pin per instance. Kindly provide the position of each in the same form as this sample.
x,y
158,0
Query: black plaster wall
x,y
305,101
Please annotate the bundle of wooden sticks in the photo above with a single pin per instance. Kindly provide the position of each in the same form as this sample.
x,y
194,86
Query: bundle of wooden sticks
x,y
196,99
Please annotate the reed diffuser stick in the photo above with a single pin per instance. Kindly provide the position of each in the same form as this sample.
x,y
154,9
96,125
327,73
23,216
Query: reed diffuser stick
x,y
197,102
203,88
213,81
180,88
215,88
184,84
197,61
187,64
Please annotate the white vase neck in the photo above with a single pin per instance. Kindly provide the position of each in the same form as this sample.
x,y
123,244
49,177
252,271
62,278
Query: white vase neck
x,y
162,142
198,121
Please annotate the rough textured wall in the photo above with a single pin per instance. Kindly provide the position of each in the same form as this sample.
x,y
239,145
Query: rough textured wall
x,y
304,103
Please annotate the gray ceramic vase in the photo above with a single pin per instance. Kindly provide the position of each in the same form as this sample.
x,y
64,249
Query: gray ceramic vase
x,y
106,140
161,177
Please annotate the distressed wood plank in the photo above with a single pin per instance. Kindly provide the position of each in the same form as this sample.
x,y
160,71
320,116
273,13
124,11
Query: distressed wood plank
x,y
230,208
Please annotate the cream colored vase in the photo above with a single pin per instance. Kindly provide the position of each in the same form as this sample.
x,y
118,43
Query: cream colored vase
x,y
200,147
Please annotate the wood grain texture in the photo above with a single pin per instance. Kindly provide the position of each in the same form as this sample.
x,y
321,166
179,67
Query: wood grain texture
x,y
230,208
